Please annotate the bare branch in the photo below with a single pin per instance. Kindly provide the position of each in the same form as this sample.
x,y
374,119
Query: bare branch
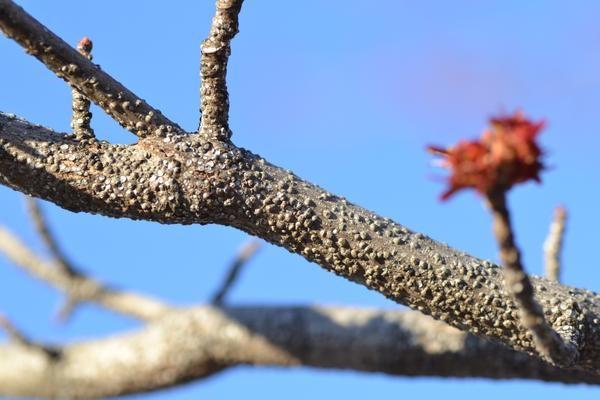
x,y
39,220
181,182
554,244
214,102
548,342
190,344
78,287
117,101
82,117
12,332
243,256
22,341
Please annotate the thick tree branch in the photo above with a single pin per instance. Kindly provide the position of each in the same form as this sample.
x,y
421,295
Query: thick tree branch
x,y
198,342
78,287
214,100
120,103
183,181
554,244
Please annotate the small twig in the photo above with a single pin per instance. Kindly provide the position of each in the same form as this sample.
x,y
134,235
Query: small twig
x,y
19,338
66,309
41,225
243,256
214,102
82,117
79,287
12,332
129,110
547,341
554,244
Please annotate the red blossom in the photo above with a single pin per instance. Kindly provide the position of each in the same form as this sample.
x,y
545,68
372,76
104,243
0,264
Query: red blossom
x,y
506,154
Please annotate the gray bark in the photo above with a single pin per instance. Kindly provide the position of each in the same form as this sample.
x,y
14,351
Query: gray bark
x,y
198,342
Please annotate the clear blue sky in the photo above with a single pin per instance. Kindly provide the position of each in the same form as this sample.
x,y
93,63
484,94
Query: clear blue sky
x,y
347,94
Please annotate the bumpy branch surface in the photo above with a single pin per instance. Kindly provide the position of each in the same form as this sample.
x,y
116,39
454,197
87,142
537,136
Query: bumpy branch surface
x,y
77,286
548,342
116,100
554,244
181,179
82,117
214,101
186,181
201,341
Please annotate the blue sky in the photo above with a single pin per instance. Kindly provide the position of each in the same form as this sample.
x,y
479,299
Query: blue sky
x,y
347,95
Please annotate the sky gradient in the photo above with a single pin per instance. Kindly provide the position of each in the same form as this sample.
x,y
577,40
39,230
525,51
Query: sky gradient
x,y
347,95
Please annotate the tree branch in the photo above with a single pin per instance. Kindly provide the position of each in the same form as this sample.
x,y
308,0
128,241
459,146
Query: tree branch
x,y
131,112
185,180
12,332
39,221
554,244
20,341
214,100
79,287
182,181
190,344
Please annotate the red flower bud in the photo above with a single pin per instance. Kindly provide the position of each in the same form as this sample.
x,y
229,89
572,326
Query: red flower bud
x,y
506,154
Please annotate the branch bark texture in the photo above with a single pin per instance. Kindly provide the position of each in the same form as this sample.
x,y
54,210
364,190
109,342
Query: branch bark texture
x,y
177,178
214,97
189,181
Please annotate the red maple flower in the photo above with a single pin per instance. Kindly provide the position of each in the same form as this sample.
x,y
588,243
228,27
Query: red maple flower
x,y
506,154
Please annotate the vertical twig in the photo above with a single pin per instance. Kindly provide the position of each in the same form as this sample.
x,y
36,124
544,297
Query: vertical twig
x,y
82,117
214,100
547,341
554,244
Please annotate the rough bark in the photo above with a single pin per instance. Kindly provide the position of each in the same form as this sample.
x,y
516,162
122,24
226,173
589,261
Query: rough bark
x,y
185,180
176,178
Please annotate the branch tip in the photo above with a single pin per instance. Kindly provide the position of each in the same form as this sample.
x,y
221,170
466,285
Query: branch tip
x,y
554,244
